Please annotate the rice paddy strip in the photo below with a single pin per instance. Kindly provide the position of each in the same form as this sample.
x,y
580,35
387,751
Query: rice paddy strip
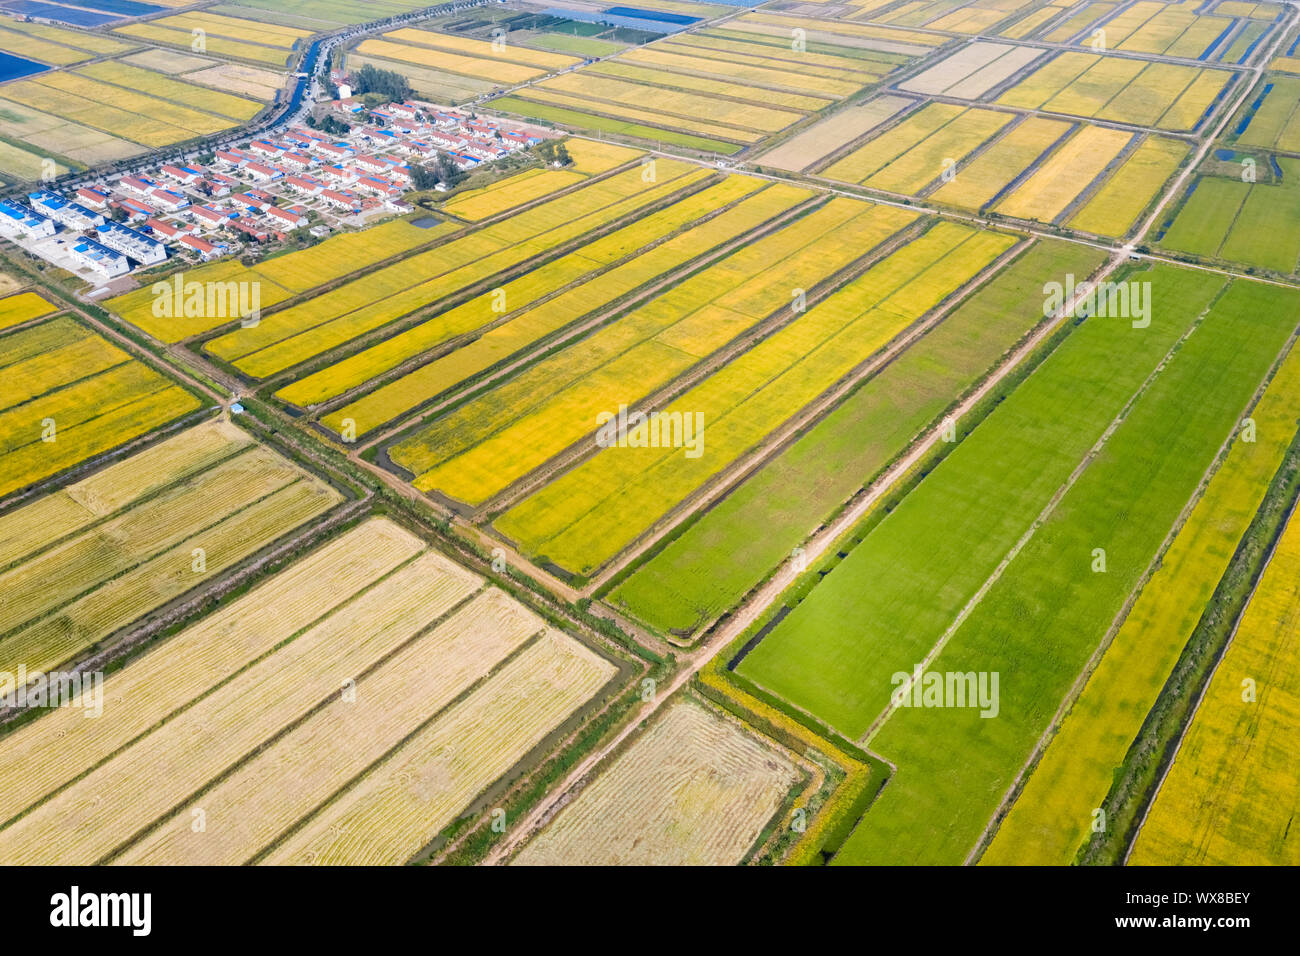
x,y
484,446
397,808
717,559
573,521
68,395
981,180
182,669
285,782
483,49
276,278
295,334
1230,796
41,524
66,599
1036,629
1051,189
1132,187
155,84
23,307
693,790
933,552
113,803
622,111
583,119
497,71
930,159
615,69
489,201
596,284
1052,816
151,31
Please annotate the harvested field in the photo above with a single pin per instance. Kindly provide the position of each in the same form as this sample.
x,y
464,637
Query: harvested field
x,y
809,147
78,588
693,790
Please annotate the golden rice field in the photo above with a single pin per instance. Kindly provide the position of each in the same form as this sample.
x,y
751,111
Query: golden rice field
x,y
279,277
1163,95
111,557
584,281
272,54
55,45
542,60
1230,797
175,91
494,70
490,442
588,515
134,110
593,157
1052,816
23,307
336,317
506,194
58,137
1053,185
721,88
67,394
693,790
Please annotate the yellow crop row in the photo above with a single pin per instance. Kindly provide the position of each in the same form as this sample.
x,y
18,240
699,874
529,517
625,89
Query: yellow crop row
x,y
977,182
96,115
1230,797
1051,818
880,150
497,71
571,520
937,154
724,112
777,58
621,111
22,307
1069,171
650,76
156,84
278,278
236,28
77,39
1112,211
535,323
483,49
213,45
490,442
593,157
501,196
289,337
759,76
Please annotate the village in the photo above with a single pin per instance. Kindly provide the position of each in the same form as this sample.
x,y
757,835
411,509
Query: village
x,y
236,199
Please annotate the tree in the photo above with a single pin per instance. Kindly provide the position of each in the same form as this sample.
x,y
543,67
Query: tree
x,y
551,151
448,171
423,178
389,84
